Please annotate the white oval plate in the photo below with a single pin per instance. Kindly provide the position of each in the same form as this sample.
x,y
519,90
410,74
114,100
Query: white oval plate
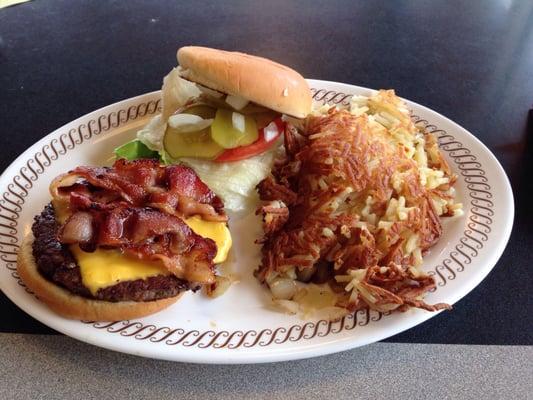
x,y
239,327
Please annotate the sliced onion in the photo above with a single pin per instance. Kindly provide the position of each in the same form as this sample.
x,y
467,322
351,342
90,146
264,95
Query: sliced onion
x,y
270,132
238,121
63,181
237,102
283,288
188,122
78,229
219,287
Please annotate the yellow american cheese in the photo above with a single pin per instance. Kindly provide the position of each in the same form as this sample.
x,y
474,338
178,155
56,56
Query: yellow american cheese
x,y
218,231
103,268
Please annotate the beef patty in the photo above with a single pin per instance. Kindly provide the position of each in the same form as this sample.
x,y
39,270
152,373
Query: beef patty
x,y
56,263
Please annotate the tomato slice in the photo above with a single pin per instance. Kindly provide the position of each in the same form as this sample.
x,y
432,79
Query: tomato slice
x,y
259,146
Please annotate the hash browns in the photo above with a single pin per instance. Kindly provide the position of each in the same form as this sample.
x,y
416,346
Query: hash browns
x,y
354,203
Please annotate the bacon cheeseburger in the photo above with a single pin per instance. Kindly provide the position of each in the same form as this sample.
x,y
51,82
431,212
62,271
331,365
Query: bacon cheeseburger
x,y
124,242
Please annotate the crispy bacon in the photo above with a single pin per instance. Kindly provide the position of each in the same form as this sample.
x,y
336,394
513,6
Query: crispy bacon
x,y
149,234
176,189
137,207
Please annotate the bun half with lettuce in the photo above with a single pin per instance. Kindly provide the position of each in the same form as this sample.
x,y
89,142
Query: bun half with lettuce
x,y
222,114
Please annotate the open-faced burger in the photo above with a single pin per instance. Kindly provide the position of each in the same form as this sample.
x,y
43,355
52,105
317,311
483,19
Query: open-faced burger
x,y
125,241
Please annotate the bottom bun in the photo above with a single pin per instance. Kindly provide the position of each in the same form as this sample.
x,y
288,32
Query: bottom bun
x,y
73,306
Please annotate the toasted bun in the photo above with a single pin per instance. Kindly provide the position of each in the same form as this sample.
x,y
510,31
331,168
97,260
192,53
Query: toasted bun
x,y
73,306
257,79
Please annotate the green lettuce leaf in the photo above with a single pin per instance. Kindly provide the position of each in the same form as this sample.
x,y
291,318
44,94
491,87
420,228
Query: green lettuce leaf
x,y
134,150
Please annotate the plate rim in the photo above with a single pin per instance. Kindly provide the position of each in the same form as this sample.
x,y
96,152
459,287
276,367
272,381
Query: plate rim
x,y
282,354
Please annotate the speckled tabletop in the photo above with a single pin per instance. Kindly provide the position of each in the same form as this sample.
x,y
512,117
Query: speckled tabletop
x,y
47,366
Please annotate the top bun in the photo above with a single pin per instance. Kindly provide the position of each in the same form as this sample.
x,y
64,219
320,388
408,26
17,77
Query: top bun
x,y
257,79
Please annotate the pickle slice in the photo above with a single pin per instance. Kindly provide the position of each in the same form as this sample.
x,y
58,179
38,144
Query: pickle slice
x,y
197,144
226,135
191,144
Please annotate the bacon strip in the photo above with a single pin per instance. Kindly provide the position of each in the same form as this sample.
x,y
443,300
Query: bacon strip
x,y
137,207
149,234
175,190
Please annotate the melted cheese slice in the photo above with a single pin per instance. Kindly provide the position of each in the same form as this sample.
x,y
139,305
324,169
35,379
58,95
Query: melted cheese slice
x,y
103,268
217,231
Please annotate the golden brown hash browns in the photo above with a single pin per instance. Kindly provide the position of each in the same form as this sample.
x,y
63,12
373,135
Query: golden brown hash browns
x,y
348,200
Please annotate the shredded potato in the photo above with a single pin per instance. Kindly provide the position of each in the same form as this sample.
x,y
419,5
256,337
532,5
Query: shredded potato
x,y
359,195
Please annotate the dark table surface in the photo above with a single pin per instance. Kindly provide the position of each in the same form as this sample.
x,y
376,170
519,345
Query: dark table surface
x,y
471,61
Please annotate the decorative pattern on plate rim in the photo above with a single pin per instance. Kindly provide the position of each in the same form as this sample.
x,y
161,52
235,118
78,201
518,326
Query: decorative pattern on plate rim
x,y
471,242
236,339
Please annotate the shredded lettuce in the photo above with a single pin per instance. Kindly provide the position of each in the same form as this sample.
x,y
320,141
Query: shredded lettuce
x,y
165,158
235,182
175,92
